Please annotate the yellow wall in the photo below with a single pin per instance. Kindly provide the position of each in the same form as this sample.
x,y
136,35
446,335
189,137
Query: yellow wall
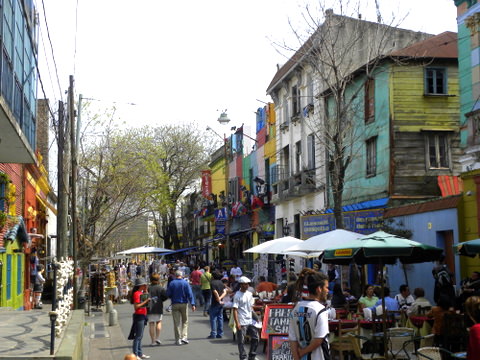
x,y
469,228
218,177
414,111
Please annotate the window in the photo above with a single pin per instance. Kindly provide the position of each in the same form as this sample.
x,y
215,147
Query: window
x,y
435,81
311,151
295,101
286,162
437,151
371,146
298,156
369,100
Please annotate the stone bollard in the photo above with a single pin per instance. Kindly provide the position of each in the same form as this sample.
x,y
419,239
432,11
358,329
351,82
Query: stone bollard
x,y
112,318
109,306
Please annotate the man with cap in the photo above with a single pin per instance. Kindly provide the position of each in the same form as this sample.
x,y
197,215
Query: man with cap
x,y
180,292
242,314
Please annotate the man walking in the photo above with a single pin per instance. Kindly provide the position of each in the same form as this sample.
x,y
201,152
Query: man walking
x,y
308,328
180,292
242,314
216,308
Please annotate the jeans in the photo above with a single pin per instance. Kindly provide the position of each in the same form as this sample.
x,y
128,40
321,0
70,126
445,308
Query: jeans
x,y
197,294
216,320
253,333
207,298
139,324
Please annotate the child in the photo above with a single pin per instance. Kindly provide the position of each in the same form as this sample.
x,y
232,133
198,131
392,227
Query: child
x,y
38,287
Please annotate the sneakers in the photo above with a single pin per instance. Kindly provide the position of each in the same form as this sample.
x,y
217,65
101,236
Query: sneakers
x,y
219,336
184,341
178,342
210,337
158,342
143,357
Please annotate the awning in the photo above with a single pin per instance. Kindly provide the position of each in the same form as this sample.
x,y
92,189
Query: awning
x,y
18,231
365,205
180,250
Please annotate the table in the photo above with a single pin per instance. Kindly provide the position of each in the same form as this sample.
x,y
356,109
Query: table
x,y
334,325
422,326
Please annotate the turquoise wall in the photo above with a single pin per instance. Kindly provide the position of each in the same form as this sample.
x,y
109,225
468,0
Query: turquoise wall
x,y
357,186
465,78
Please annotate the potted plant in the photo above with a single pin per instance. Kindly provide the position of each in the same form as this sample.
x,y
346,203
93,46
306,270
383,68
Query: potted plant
x,y
3,219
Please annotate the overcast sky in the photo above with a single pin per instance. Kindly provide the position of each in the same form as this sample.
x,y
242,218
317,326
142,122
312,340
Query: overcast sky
x,y
182,60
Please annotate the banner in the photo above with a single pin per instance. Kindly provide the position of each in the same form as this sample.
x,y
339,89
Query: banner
x,y
220,220
206,183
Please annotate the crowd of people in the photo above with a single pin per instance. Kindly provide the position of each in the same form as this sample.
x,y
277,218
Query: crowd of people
x,y
315,296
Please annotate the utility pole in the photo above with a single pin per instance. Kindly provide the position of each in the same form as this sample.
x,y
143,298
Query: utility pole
x,y
63,183
73,142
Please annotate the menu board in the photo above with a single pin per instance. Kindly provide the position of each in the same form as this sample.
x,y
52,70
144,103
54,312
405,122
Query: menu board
x,y
276,319
278,348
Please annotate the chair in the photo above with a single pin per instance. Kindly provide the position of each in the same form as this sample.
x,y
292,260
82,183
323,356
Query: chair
x,y
355,341
342,343
400,341
434,353
455,334
422,310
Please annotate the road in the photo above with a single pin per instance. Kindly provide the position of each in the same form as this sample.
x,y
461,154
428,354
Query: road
x,y
199,348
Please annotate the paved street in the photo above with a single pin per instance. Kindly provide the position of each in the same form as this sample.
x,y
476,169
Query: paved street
x,y
200,348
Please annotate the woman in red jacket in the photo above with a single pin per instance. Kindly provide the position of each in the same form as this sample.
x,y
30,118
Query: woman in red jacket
x,y
139,316
472,308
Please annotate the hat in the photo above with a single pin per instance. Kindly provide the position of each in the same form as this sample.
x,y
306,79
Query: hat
x,y
244,280
140,282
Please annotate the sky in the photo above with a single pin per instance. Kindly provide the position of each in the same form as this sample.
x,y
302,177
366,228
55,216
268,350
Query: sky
x,y
184,61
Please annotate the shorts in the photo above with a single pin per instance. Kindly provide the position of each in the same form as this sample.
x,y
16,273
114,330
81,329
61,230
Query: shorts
x,y
153,318
37,287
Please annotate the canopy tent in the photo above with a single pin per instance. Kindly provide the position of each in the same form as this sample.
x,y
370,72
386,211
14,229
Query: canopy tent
x,y
144,250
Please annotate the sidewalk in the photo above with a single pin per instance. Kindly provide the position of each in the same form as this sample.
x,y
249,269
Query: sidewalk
x,y
25,334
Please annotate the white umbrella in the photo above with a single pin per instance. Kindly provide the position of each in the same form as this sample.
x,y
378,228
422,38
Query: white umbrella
x,y
275,246
320,242
309,255
144,250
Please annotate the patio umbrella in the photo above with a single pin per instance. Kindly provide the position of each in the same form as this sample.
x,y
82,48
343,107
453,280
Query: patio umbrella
x,y
320,242
382,248
144,250
468,248
275,246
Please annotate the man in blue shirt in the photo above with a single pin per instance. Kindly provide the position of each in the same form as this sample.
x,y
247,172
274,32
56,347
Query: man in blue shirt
x,y
390,303
180,292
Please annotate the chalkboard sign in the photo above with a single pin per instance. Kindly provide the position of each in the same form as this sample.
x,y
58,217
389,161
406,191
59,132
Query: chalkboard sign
x,y
278,348
276,319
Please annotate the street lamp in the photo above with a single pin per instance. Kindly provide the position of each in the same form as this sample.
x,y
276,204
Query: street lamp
x,y
224,119
286,227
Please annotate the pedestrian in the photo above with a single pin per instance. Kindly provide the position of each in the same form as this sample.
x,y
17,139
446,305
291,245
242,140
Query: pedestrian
x,y
236,271
139,300
38,287
308,327
219,291
180,292
443,280
155,312
205,280
242,314
472,309
195,276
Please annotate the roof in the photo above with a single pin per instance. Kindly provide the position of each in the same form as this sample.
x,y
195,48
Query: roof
x,y
449,202
440,46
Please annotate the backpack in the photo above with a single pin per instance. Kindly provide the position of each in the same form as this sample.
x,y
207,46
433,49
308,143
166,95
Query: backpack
x,y
443,277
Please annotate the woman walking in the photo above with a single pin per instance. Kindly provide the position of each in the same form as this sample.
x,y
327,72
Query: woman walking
x,y
139,300
155,313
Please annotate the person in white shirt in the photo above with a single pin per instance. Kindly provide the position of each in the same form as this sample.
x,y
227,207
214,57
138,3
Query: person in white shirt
x,y
38,287
236,271
308,327
419,303
404,299
242,314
